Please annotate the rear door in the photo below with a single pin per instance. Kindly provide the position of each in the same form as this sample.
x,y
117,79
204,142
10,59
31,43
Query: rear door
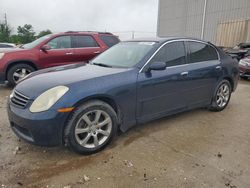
x,y
85,47
204,70
61,52
161,92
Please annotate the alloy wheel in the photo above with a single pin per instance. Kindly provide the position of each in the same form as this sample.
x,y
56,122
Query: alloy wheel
x,y
93,128
20,74
222,96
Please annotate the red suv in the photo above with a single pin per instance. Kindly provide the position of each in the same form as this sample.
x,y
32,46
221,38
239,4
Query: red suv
x,y
53,50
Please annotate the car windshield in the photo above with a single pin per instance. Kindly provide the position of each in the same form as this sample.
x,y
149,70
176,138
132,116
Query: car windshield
x,y
35,42
124,54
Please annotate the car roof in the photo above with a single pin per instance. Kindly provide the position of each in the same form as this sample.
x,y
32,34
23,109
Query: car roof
x,y
163,39
83,32
11,44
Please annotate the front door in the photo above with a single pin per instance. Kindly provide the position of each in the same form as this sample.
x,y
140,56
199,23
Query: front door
x,y
61,52
161,92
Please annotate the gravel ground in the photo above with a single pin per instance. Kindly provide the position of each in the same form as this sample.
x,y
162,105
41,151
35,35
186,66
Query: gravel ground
x,y
193,149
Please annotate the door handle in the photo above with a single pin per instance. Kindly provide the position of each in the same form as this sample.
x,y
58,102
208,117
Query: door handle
x,y
97,52
184,73
218,68
69,53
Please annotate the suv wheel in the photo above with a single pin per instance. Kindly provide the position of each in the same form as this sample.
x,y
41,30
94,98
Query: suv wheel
x,y
18,72
222,96
91,127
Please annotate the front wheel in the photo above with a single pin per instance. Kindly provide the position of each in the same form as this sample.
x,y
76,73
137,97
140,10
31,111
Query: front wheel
x,y
222,96
91,127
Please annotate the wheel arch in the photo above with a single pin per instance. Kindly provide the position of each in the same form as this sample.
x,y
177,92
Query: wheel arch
x,y
105,98
13,63
230,80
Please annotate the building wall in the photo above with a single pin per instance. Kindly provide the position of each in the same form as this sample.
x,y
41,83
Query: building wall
x,y
185,17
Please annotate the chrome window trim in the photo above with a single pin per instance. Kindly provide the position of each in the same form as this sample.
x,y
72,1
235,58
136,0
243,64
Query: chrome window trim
x,y
179,40
57,49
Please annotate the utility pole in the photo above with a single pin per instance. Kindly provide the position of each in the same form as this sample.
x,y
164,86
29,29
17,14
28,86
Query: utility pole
x,y
5,19
133,34
204,19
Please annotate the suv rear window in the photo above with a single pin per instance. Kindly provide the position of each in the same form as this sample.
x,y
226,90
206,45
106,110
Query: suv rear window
x,y
84,41
109,40
201,52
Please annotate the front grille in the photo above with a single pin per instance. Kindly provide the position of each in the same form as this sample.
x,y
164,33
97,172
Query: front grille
x,y
19,99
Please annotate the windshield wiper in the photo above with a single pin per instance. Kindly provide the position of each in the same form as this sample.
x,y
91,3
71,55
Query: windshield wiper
x,y
101,64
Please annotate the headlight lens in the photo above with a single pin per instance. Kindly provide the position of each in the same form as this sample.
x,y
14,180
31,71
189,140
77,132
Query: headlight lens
x,y
1,55
47,99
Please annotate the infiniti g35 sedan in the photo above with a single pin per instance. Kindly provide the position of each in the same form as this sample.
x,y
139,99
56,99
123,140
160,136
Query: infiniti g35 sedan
x,y
84,106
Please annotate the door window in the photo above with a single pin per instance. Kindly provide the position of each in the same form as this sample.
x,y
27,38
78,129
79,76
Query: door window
x,y
172,54
201,52
61,42
84,41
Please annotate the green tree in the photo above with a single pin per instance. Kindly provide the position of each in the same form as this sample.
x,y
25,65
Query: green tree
x,y
5,32
43,33
16,39
26,33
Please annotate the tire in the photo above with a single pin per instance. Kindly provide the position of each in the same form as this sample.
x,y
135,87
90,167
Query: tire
x,y
221,96
82,127
21,69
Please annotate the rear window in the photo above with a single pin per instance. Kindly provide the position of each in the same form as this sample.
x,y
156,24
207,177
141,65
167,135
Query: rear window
x,y
201,52
109,40
84,41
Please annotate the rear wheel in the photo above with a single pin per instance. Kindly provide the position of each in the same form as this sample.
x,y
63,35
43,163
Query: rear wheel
x,y
18,72
222,96
91,127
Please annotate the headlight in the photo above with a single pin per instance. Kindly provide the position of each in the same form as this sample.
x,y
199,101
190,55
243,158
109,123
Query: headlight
x,y
48,99
1,55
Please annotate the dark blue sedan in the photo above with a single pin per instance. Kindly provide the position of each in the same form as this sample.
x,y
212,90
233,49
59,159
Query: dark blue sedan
x,y
83,106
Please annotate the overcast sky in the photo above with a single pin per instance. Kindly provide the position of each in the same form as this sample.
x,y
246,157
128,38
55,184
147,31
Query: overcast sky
x,y
101,15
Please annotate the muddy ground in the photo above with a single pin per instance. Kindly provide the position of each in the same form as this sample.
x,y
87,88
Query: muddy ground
x,y
193,149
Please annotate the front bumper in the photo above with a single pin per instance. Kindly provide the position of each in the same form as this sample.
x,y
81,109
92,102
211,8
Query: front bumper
x,y
43,129
244,71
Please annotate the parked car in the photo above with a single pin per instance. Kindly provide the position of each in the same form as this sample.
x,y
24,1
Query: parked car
x,y
7,45
244,67
133,82
240,51
53,50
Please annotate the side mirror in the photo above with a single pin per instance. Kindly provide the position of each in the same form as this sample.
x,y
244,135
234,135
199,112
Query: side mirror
x,y
158,66
45,48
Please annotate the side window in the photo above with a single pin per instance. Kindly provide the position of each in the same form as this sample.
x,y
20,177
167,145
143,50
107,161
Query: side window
x,y
172,54
201,52
60,42
5,46
84,41
109,40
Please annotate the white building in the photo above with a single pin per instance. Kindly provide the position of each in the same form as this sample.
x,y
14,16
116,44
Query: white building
x,y
224,22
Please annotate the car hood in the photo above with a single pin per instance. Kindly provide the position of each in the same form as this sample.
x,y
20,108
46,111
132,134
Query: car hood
x,y
40,81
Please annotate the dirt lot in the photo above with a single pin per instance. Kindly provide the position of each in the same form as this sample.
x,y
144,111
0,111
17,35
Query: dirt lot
x,y
193,149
